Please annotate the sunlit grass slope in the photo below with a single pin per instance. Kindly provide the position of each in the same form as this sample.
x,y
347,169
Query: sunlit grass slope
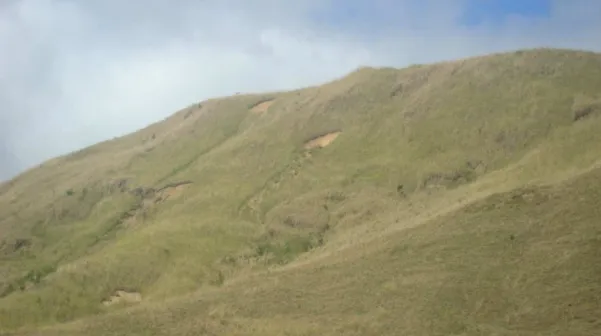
x,y
457,198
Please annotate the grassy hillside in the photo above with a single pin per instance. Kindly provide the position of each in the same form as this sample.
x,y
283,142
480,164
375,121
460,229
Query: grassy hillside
x,y
457,198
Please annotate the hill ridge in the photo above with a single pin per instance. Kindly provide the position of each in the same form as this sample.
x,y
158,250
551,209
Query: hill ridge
x,y
435,179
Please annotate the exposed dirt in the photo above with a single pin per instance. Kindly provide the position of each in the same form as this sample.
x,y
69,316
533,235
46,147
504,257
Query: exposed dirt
x,y
261,107
150,197
584,110
322,141
123,296
171,190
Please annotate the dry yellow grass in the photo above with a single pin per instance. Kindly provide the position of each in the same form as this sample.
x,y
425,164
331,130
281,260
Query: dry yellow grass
x,y
458,198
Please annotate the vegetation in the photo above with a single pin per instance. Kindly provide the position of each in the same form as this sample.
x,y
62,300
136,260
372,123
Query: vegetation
x,y
457,198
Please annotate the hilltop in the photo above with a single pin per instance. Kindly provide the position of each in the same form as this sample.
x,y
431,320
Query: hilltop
x,y
455,198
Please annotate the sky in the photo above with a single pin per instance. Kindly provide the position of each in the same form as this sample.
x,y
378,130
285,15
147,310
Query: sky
x,y
73,73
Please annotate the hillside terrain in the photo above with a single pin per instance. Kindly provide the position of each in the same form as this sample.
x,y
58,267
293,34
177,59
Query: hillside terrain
x,y
456,198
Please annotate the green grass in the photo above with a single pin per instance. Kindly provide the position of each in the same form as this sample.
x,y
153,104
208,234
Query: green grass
x,y
460,198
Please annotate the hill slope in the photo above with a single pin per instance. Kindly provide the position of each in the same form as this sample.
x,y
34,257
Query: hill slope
x,y
451,198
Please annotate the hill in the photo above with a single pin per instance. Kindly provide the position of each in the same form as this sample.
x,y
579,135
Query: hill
x,y
456,198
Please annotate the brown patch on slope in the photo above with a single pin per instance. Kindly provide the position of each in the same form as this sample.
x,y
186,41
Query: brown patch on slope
x,y
262,107
584,107
171,190
123,296
150,197
322,140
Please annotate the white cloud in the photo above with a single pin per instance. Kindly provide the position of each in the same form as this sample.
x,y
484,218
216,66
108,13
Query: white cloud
x,y
76,72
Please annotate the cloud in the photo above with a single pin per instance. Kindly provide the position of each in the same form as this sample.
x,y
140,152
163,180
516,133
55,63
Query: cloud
x,y
73,73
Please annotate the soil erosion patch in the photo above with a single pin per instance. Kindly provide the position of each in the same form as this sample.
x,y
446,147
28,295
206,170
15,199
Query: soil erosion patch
x,y
322,140
123,296
261,107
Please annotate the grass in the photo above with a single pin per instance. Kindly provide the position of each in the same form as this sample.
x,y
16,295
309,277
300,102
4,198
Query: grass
x,y
459,199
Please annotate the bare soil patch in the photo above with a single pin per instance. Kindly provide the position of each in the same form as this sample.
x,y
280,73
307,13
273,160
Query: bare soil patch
x,y
262,107
123,296
322,140
171,190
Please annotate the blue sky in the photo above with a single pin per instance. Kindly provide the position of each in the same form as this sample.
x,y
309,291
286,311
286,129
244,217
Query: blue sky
x,y
77,72
495,12
367,18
